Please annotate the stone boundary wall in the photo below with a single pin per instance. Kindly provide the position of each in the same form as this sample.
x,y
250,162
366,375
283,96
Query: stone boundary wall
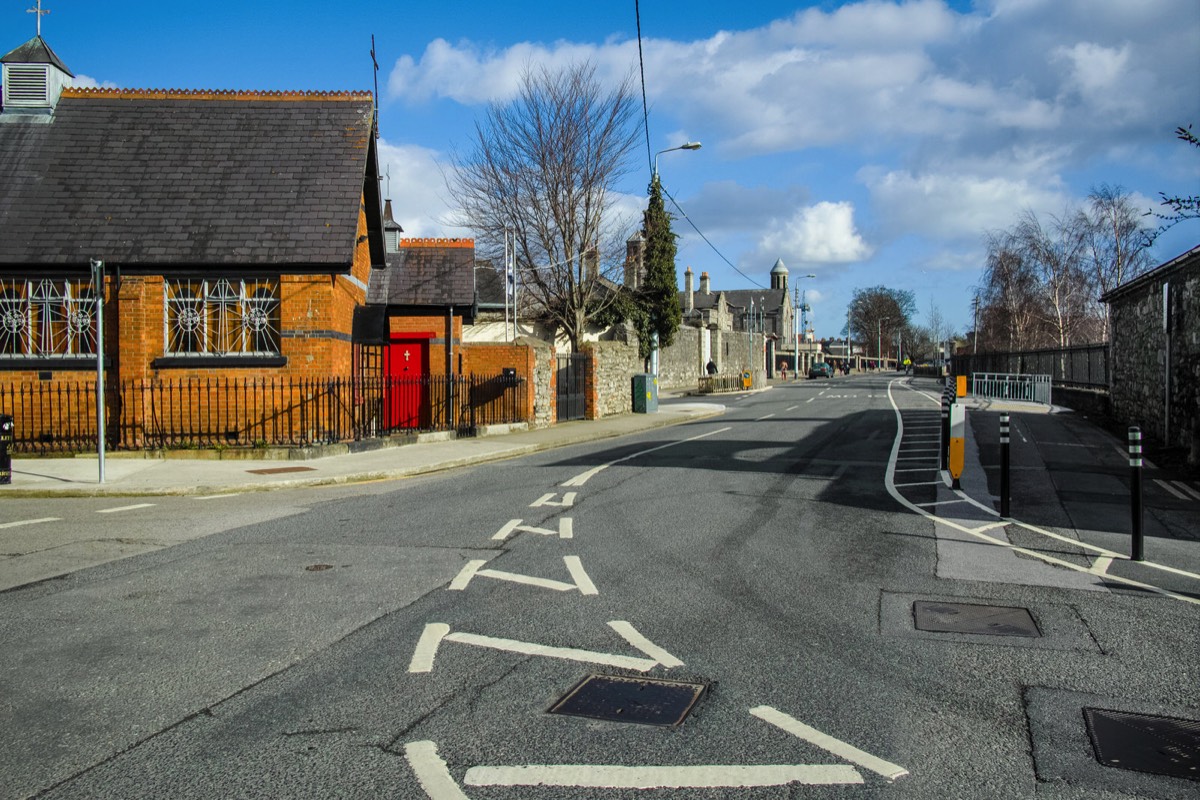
x,y
681,365
1140,359
545,366
610,388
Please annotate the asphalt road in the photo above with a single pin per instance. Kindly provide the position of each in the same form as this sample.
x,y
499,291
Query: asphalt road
x,y
407,639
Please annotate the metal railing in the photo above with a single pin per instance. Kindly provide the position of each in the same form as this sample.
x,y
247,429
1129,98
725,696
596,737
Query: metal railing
x,y
60,416
1010,386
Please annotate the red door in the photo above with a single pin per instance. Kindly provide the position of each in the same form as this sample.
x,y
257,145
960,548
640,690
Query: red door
x,y
408,377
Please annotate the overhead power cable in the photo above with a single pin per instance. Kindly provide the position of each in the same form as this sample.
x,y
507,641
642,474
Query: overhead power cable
x,y
637,12
720,255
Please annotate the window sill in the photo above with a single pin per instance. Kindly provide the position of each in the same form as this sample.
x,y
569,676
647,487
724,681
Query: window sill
x,y
33,363
218,362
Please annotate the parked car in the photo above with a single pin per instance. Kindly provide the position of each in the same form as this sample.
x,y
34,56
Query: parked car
x,y
820,370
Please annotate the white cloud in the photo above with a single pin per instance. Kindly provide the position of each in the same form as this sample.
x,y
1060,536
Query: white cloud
x,y
955,206
417,189
88,82
819,234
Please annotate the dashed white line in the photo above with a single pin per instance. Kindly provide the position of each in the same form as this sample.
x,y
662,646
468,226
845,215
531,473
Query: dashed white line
x,y
19,523
768,416
215,496
123,508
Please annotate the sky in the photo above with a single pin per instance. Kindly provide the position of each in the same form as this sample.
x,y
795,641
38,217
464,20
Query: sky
x,y
866,143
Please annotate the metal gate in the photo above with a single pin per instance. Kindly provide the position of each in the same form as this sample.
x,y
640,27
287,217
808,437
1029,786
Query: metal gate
x,y
572,386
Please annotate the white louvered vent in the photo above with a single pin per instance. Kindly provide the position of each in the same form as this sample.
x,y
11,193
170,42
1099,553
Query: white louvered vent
x,y
392,240
26,85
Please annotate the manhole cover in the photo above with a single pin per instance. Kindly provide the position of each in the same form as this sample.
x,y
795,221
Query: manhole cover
x,y
639,700
280,470
1143,743
972,618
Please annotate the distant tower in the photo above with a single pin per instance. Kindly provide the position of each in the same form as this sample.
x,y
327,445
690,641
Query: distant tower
x,y
779,275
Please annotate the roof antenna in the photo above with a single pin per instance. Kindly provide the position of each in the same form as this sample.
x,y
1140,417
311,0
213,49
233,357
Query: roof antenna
x,y
41,12
376,65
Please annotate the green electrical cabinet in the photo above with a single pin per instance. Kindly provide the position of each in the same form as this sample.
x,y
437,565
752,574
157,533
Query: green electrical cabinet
x,y
645,393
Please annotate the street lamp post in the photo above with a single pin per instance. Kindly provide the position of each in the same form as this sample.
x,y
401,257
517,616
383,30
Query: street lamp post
x,y
654,179
684,146
879,342
799,323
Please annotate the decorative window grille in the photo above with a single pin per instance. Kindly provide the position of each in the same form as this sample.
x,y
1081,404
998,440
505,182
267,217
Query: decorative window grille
x,y
47,319
221,317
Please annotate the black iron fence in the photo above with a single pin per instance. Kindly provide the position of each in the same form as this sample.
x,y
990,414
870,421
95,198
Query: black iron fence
x,y
1083,366
60,416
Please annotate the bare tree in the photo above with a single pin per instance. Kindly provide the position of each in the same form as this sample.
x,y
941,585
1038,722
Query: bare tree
x,y
1116,245
878,313
1056,254
1010,293
544,167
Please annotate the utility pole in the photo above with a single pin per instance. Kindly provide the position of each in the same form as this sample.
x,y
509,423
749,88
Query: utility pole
x,y
98,288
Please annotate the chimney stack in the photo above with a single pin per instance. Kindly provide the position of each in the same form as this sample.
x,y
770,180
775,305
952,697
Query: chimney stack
x,y
704,284
688,290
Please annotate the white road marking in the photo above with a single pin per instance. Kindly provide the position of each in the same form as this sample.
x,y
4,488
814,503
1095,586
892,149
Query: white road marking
x,y
427,647
920,483
791,408
631,635
432,772
826,742
768,416
978,532
474,568
712,776
1101,565
566,529
582,581
215,496
19,523
1166,485
1188,489
583,477
568,500
939,503
917,469
123,508
809,400
436,632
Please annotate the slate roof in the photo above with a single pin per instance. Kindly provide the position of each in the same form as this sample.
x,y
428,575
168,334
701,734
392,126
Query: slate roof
x,y
35,51
190,179
424,276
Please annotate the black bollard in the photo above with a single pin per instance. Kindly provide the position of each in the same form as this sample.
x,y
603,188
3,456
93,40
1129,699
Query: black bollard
x,y
1004,464
1135,490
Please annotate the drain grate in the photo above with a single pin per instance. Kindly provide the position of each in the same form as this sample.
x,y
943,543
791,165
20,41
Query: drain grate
x,y
1144,743
973,618
638,700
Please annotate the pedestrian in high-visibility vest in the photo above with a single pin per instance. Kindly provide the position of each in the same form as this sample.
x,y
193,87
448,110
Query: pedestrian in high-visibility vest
x,y
907,365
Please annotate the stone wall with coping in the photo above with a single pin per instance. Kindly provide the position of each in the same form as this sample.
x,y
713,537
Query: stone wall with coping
x,y
1156,386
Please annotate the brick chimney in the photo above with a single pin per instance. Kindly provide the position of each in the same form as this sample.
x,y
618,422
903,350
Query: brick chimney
x,y
591,263
704,290
689,300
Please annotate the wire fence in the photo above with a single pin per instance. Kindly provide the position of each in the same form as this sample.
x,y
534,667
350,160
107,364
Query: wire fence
x,y
202,413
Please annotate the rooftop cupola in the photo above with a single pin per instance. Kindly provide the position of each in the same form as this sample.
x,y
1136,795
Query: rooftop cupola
x,y
391,229
34,77
779,275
